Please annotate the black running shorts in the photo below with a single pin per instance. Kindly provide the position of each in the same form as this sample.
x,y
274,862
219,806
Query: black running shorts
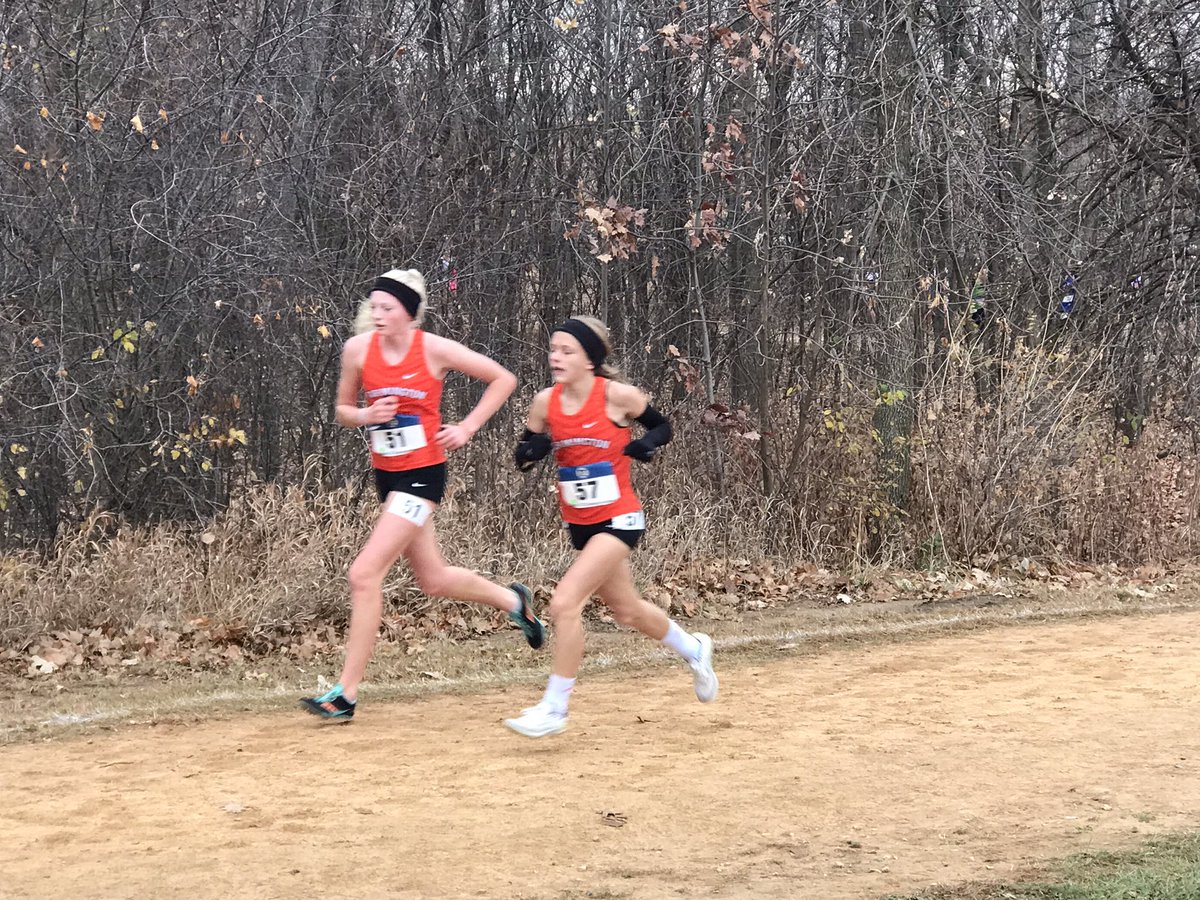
x,y
428,482
581,534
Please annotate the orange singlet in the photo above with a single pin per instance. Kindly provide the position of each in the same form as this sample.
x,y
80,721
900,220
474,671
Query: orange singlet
x,y
406,442
593,476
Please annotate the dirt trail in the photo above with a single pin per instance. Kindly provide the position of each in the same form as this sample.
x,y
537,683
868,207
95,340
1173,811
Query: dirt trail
x,y
853,773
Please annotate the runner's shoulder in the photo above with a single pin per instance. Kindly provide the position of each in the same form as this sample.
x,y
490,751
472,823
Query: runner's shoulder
x,y
541,400
438,343
356,347
628,399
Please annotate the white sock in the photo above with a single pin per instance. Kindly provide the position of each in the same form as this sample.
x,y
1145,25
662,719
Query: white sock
x,y
558,693
682,643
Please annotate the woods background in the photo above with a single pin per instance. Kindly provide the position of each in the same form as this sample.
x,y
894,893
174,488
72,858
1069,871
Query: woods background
x,y
916,280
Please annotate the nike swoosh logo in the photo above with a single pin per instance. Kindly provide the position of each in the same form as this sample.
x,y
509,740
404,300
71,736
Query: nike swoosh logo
x,y
409,375
589,424
418,484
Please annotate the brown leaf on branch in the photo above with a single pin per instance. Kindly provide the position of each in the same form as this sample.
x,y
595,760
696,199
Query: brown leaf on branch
x,y
727,36
793,53
761,10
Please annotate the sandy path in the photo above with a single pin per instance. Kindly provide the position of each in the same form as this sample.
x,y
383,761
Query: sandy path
x,y
853,773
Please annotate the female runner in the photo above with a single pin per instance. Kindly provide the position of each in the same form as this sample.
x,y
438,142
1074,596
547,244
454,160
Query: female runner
x,y
399,369
585,419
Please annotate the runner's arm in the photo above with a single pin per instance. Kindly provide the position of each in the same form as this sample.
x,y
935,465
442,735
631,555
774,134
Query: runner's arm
x,y
534,444
633,404
500,382
346,411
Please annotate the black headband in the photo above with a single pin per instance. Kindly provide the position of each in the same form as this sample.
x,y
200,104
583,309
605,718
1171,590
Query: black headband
x,y
588,339
408,298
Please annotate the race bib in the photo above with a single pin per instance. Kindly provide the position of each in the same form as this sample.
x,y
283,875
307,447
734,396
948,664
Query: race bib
x,y
403,434
410,508
634,521
586,486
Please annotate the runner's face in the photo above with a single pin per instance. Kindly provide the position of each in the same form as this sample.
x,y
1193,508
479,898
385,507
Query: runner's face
x,y
387,314
568,362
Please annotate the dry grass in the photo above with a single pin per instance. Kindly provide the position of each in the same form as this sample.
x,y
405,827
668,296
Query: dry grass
x,y
275,559
1038,472
1040,476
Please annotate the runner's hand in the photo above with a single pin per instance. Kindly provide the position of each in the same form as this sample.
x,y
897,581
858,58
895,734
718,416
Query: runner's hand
x,y
451,437
382,410
532,448
641,449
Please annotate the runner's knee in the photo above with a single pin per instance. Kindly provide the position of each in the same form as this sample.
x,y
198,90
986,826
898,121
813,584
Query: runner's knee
x,y
565,606
363,576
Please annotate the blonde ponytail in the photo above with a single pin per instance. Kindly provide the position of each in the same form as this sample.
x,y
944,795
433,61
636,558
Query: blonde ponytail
x,y
363,321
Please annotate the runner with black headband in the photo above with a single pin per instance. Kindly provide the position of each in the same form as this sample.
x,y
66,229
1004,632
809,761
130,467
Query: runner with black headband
x,y
584,418
399,368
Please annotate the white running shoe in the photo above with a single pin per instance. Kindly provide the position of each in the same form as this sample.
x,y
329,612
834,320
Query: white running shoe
x,y
704,679
538,721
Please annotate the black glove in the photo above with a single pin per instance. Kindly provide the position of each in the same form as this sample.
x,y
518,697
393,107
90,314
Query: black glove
x,y
643,449
658,433
531,448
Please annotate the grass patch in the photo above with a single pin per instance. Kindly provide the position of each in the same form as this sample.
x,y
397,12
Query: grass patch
x,y
1166,868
